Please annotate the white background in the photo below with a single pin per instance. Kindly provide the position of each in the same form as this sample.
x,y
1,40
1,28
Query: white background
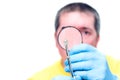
x,y
27,34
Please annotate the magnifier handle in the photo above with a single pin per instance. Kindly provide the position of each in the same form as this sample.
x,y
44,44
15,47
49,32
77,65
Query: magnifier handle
x,y
68,58
69,63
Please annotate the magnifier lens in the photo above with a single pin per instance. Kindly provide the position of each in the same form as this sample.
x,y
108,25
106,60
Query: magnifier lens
x,y
72,35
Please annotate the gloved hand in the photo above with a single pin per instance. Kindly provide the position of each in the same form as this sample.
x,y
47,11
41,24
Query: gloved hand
x,y
62,78
89,64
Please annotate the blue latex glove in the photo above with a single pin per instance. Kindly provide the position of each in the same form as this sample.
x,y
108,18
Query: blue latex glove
x,y
89,64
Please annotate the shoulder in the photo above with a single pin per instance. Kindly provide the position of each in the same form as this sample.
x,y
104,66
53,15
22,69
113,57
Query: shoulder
x,y
114,65
112,60
47,73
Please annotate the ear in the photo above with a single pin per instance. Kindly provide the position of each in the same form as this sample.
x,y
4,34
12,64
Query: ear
x,y
97,40
55,37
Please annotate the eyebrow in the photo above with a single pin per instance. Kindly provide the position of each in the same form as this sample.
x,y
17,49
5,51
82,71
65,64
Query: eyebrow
x,y
84,28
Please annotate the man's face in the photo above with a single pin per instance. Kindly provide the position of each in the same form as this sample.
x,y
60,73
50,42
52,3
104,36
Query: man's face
x,y
82,21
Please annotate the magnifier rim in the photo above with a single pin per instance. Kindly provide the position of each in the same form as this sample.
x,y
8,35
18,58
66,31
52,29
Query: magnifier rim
x,y
64,27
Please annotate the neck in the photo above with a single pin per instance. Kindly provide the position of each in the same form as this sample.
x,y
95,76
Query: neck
x,y
62,62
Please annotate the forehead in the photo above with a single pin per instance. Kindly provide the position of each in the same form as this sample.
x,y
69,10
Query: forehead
x,y
77,19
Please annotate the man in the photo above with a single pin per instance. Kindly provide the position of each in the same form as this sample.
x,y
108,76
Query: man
x,y
87,63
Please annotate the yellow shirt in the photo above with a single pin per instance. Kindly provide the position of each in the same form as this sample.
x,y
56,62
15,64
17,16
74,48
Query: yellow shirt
x,y
57,69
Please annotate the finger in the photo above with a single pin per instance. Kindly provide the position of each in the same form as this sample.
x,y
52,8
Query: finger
x,y
83,74
84,56
81,48
77,78
89,75
80,66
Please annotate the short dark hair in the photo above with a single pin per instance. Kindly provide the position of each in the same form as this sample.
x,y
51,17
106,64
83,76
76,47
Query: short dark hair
x,y
79,6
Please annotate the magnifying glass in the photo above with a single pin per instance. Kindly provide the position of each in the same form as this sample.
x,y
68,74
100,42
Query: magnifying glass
x,y
68,37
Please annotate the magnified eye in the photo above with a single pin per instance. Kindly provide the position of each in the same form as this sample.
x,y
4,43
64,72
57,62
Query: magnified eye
x,y
71,34
86,33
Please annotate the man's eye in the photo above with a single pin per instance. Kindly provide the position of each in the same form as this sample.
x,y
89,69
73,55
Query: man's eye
x,y
86,32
